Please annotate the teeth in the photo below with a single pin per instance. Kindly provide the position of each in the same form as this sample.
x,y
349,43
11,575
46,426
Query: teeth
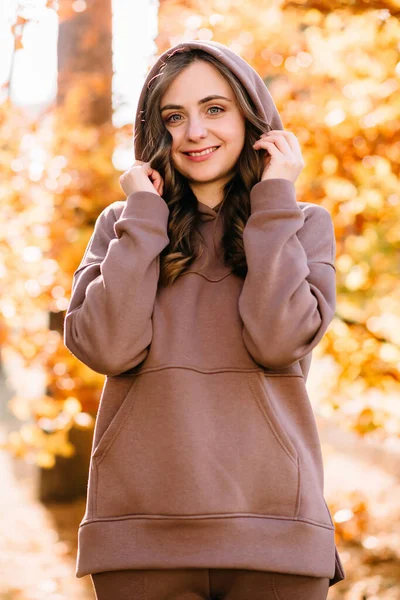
x,y
204,152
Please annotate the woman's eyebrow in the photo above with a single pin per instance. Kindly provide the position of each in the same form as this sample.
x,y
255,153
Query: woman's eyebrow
x,y
203,101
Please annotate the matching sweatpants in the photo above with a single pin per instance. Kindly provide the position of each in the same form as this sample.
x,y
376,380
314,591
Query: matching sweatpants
x,y
207,584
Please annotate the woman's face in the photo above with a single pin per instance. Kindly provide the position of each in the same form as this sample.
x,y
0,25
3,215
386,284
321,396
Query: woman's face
x,y
197,120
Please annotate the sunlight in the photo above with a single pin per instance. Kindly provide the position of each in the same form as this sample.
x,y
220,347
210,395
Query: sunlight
x,y
34,77
34,67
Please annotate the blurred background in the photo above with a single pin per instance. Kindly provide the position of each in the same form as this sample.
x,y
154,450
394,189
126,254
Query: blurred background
x,y
70,75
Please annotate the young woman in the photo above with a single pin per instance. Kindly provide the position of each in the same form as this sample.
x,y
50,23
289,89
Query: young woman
x,y
201,298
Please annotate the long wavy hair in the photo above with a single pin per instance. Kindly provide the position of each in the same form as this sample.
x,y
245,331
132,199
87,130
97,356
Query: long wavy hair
x,y
156,142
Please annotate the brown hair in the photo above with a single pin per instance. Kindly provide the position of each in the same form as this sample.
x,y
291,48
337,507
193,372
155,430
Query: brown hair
x,y
156,141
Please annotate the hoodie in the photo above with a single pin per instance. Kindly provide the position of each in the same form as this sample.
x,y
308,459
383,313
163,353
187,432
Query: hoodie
x,y
205,451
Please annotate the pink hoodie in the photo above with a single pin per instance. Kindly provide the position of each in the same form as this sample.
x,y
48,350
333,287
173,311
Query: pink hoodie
x,y
206,452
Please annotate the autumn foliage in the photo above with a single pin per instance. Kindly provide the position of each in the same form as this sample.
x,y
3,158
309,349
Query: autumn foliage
x,y
335,78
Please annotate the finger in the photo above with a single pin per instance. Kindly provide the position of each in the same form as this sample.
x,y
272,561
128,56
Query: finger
x,y
281,142
154,176
271,148
278,142
159,187
287,150
157,181
280,131
287,135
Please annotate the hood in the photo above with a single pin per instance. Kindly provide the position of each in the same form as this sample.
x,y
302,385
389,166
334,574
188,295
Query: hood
x,y
243,71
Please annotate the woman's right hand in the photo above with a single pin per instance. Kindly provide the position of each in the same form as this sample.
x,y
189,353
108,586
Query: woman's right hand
x,y
141,178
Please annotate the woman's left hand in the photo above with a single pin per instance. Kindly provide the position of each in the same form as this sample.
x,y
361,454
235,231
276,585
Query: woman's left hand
x,y
285,160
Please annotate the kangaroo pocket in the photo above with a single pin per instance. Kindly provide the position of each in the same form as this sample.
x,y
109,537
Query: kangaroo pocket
x,y
191,443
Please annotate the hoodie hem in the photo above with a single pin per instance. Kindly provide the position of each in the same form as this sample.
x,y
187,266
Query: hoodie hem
x,y
255,543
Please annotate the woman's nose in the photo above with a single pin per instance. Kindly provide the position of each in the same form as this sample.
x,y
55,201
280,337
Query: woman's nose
x,y
196,130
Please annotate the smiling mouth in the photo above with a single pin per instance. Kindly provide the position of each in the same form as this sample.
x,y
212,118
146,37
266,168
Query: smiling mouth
x,y
203,153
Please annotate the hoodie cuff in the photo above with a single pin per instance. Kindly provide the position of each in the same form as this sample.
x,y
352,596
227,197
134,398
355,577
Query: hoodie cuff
x,y
273,193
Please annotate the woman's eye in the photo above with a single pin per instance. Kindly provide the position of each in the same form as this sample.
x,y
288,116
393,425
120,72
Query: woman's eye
x,y
217,107
171,118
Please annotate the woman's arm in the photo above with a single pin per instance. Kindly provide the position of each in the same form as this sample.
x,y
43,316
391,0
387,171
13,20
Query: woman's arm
x,y
288,297
108,321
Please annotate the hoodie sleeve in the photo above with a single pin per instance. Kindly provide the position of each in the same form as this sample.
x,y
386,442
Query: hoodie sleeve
x,y
288,297
108,320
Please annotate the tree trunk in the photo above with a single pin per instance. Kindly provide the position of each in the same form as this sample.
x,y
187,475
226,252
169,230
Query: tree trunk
x,y
85,96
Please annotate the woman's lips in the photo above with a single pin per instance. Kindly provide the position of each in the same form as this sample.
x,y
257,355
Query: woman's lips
x,y
202,157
